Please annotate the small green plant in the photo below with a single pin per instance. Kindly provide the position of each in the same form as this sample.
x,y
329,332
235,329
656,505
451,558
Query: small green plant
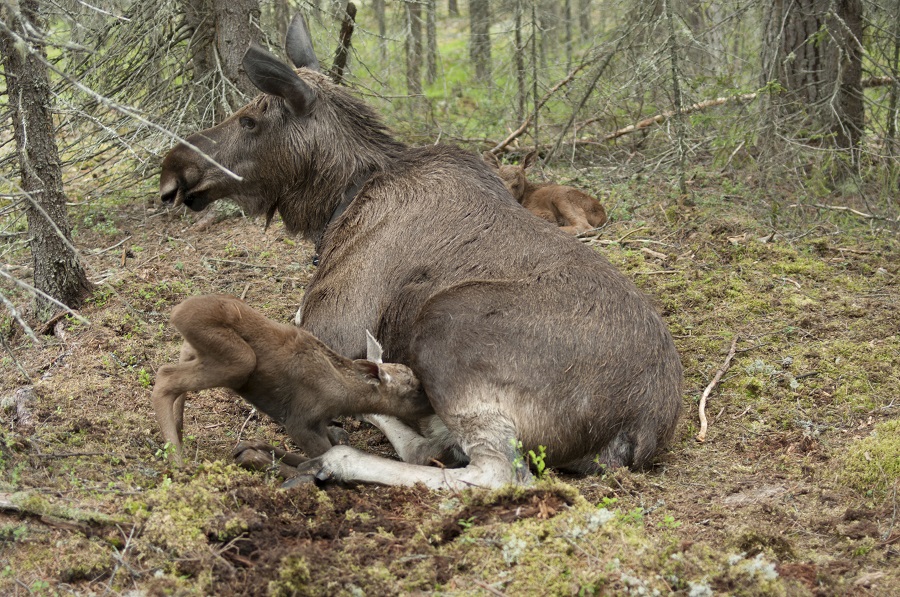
x,y
466,523
669,522
144,378
166,452
608,502
635,515
538,460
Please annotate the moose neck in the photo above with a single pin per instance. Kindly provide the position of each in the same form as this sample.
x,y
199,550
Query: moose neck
x,y
349,195
339,146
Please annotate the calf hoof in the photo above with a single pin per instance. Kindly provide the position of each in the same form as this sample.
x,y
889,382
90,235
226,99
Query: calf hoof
x,y
253,444
337,436
254,459
298,481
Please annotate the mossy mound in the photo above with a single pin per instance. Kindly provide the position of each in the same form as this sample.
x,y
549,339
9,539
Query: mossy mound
x,y
872,464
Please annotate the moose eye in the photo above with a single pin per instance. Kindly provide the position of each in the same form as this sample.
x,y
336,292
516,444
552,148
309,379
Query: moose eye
x,y
247,123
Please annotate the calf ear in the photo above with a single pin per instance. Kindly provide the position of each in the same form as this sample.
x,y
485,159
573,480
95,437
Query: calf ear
x,y
371,372
529,160
373,348
271,75
298,44
491,160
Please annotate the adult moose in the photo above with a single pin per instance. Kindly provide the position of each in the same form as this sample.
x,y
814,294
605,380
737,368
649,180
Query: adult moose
x,y
520,335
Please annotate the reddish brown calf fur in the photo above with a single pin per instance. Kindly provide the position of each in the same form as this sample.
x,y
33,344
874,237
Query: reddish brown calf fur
x,y
574,211
282,370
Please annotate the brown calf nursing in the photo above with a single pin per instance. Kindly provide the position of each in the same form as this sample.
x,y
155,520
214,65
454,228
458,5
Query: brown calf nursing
x,y
282,370
520,336
574,211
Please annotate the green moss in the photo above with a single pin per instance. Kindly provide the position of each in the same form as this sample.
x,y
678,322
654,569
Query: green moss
x,y
177,516
293,578
872,464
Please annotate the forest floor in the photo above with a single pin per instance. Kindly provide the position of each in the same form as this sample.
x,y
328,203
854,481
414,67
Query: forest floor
x,y
794,491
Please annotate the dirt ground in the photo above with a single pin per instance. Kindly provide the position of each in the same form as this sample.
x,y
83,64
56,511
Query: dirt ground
x,y
794,491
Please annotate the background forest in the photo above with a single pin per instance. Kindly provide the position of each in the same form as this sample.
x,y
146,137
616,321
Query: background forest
x,y
747,153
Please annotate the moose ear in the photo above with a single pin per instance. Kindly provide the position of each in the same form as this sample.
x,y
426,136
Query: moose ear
x,y
491,160
272,76
298,44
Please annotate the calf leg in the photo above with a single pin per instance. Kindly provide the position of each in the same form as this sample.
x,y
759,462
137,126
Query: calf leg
x,y
193,373
576,221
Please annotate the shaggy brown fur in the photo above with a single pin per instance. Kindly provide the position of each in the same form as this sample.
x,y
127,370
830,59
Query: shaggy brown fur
x,y
521,336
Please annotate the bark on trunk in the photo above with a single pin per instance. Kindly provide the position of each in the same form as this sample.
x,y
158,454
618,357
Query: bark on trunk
x,y
222,31
413,47
814,54
480,40
431,41
57,271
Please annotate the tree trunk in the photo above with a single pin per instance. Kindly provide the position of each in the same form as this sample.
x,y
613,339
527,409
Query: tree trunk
x,y
282,13
891,136
567,18
813,52
480,40
378,9
452,8
57,271
584,19
413,47
676,98
222,31
521,90
431,41
344,43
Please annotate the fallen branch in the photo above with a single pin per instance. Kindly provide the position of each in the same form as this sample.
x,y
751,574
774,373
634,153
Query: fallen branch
x,y
28,503
842,208
664,116
701,436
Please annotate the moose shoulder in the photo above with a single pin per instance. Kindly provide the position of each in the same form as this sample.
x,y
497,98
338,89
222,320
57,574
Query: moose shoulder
x,y
521,336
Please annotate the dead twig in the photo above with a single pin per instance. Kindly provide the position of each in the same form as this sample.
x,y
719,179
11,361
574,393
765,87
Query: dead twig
x,y
489,588
701,436
80,454
842,208
23,502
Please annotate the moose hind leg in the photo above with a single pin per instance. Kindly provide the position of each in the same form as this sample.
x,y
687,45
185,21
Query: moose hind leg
x,y
487,438
437,445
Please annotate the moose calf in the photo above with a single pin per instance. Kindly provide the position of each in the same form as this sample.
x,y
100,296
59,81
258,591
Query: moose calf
x,y
569,208
282,370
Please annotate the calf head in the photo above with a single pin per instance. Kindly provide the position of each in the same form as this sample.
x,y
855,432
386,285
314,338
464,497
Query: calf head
x,y
513,176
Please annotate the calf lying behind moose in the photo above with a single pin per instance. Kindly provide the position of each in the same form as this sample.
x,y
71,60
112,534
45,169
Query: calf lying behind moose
x,y
280,369
520,336
573,210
